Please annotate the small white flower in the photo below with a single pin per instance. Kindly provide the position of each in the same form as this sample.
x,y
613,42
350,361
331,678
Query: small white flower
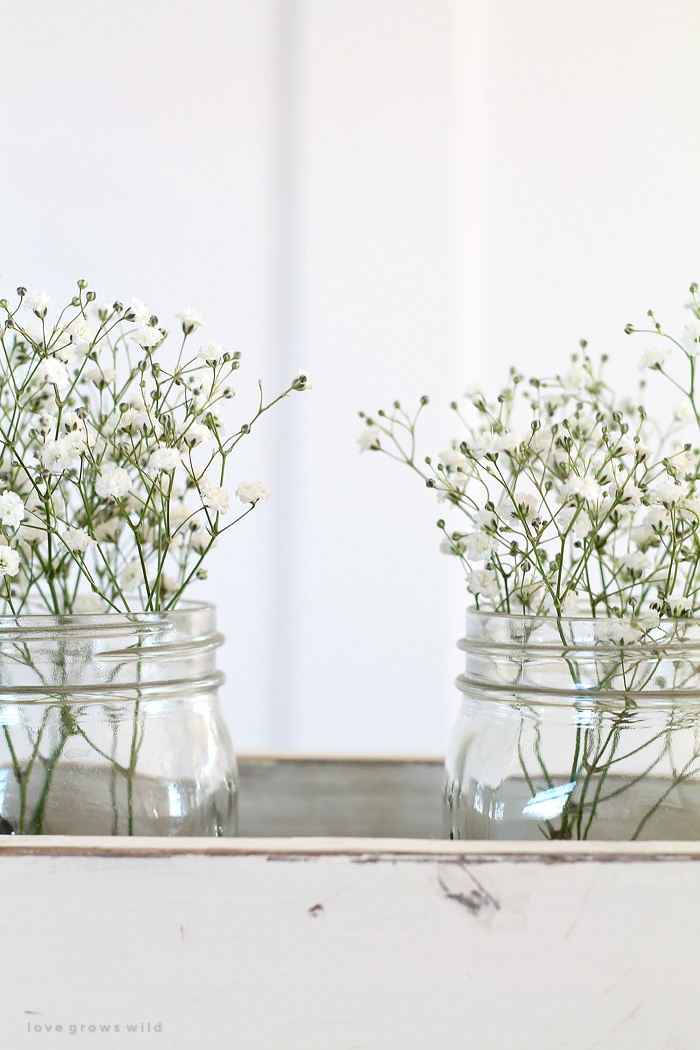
x,y
525,505
369,438
541,440
179,513
654,357
647,621
453,459
582,524
67,354
109,531
147,336
632,495
644,451
575,377
165,459
486,519
44,424
132,576
215,419
636,562
683,412
587,488
90,604
78,540
684,462
508,441
491,443
202,541
483,582
133,420
190,320
479,545
530,592
101,377
28,535
622,446
679,606
617,631
11,509
252,492
39,302
113,482
75,442
642,535
52,371
692,505
58,455
619,512
140,311
203,385
570,604
192,434
485,444
689,339
81,332
168,584
212,353
71,421
216,498
9,561
668,492
657,519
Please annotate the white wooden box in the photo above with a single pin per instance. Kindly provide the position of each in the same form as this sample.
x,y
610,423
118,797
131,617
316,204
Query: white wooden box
x,y
316,930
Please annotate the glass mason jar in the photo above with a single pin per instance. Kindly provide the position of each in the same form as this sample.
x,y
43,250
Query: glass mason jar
x,y
110,725
575,729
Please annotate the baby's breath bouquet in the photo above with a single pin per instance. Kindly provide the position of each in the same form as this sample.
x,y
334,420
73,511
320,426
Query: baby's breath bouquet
x,y
568,503
114,448
113,454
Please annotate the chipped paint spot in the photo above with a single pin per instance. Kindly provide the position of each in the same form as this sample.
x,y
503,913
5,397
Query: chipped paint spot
x,y
316,910
473,896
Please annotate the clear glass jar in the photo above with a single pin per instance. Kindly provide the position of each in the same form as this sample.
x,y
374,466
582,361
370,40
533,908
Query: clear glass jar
x,y
110,725
575,729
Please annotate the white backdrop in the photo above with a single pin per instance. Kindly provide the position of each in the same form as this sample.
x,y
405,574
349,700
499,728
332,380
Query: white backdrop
x,y
398,196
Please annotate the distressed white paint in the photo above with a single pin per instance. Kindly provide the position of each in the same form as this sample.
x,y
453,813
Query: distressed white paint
x,y
341,944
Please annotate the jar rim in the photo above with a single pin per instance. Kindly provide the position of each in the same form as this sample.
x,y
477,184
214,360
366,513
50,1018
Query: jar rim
x,y
111,620
547,618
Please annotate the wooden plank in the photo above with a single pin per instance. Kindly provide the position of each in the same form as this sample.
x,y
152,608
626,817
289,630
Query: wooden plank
x,y
317,944
314,795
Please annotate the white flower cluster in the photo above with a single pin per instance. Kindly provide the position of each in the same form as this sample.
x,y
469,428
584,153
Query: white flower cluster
x,y
571,500
113,453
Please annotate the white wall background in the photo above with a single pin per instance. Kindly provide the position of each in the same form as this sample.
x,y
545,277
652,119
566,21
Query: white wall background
x,y
398,196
